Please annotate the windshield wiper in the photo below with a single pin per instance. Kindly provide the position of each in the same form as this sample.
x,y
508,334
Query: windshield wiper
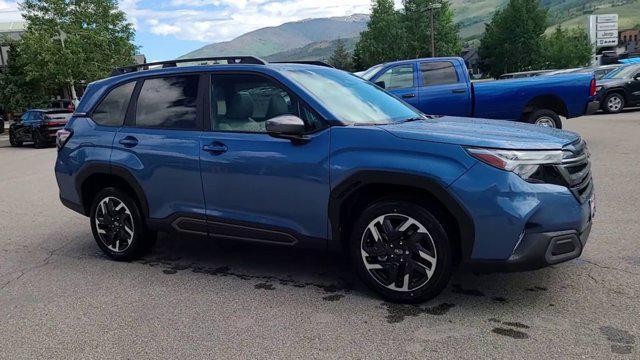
x,y
417,118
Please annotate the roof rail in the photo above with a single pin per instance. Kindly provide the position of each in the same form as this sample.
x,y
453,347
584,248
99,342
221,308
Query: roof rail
x,y
307,62
174,63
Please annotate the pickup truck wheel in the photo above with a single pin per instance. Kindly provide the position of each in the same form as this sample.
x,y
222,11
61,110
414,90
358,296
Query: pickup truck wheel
x,y
545,117
118,227
401,251
613,103
13,141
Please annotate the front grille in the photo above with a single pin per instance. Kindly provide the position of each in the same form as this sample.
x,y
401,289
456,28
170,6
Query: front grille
x,y
575,170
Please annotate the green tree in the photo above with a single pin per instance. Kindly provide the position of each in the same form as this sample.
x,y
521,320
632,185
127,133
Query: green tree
x,y
416,21
567,48
17,92
384,38
341,58
513,40
68,41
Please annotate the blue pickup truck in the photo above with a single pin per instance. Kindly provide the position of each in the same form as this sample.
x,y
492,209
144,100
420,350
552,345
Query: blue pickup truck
x,y
441,86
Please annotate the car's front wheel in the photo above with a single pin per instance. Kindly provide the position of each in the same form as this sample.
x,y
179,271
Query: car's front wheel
x,y
118,227
13,140
613,103
401,251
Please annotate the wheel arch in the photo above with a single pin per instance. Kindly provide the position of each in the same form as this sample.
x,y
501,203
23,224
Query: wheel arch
x,y
548,101
96,176
362,188
617,90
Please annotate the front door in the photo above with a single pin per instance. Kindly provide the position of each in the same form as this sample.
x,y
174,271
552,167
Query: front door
x,y
160,146
400,80
257,187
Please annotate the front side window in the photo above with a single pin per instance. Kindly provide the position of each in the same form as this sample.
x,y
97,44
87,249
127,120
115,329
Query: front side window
x,y
438,73
169,102
113,107
351,99
399,77
244,102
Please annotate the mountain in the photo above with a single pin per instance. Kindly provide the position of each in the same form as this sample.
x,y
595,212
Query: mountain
x,y
315,39
319,50
272,40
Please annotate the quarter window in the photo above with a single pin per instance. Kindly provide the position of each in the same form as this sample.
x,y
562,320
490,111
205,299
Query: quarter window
x,y
399,77
438,73
113,108
244,103
169,102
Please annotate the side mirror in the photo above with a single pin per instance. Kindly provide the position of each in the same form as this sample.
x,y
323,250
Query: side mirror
x,y
288,127
381,84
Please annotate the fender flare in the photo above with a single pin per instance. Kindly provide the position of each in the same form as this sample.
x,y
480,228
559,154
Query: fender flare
x,y
354,182
98,167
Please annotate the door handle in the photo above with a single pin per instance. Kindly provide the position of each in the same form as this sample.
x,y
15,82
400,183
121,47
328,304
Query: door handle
x,y
408,96
458,91
215,148
128,141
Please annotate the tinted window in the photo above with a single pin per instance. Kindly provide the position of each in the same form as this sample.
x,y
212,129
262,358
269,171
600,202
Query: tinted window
x,y
438,73
113,107
399,77
169,102
244,103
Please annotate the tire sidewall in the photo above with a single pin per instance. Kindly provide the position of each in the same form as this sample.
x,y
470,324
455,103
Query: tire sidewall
x,y
442,273
141,236
13,140
606,103
545,112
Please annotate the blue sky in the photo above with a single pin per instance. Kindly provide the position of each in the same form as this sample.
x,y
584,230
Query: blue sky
x,y
168,29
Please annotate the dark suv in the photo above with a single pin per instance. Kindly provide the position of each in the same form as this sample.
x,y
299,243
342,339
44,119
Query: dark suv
x,y
306,155
38,127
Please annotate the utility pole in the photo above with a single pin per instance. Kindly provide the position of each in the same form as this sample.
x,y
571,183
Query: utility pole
x,y
431,8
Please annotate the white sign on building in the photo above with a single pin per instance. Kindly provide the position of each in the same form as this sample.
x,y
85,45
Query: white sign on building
x,y
603,30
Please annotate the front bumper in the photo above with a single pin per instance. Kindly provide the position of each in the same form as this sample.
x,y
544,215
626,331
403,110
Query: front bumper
x,y
538,250
592,107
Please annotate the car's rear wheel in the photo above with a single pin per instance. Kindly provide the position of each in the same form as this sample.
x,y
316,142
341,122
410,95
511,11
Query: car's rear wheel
x,y
546,118
118,227
13,140
613,103
401,251
39,141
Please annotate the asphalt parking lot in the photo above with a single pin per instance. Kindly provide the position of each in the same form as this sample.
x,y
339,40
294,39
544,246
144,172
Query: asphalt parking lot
x,y
192,298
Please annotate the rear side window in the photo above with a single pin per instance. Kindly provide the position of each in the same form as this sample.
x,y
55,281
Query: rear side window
x,y
113,108
438,73
169,102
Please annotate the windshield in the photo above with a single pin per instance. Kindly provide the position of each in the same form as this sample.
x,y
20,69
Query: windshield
x,y
623,72
351,99
369,73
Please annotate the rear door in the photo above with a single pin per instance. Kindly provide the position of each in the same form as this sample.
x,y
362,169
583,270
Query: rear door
x,y
634,88
159,145
442,90
400,80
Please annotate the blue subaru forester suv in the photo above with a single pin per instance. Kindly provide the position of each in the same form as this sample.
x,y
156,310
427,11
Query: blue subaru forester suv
x,y
310,156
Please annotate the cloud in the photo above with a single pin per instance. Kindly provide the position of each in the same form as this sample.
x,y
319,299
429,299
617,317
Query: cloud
x,y
222,20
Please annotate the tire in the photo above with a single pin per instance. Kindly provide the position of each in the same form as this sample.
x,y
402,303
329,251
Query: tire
x,y
398,251
38,141
122,234
545,117
13,141
613,103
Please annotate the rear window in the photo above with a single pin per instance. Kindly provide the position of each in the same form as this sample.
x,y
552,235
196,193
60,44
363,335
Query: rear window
x,y
113,108
169,102
438,73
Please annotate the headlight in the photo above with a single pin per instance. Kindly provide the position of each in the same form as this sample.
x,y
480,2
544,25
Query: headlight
x,y
525,163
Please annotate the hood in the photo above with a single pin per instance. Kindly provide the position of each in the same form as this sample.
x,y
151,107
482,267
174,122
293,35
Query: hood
x,y
499,134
